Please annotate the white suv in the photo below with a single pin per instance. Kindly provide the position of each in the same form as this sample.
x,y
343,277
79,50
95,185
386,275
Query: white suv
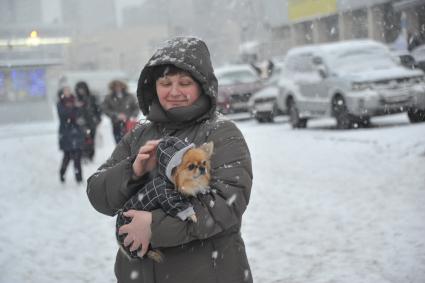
x,y
351,81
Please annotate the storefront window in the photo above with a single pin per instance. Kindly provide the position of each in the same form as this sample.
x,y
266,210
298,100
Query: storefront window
x,y
22,84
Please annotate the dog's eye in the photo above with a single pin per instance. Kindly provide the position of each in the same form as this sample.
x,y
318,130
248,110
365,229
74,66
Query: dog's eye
x,y
191,166
204,163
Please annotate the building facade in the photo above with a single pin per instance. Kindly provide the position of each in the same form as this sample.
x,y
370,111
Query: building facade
x,y
86,17
316,21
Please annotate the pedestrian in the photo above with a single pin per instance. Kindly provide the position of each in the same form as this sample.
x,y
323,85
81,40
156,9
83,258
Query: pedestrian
x,y
269,68
91,113
71,134
177,92
120,106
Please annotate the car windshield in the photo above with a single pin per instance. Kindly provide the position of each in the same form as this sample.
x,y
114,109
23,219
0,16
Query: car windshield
x,y
236,77
357,60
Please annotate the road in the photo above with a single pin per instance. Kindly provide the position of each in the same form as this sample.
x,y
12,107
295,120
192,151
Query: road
x,y
326,205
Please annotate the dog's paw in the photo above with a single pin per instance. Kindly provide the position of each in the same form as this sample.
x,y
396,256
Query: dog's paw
x,y
193,218
155,255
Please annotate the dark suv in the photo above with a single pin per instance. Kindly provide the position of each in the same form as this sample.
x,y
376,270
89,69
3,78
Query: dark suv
x,y
236,84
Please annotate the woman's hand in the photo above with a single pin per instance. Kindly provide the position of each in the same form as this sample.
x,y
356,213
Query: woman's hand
x,y
146,158
138,230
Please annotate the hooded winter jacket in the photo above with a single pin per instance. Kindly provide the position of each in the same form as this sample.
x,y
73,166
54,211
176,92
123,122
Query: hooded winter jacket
x,y
212,249
114,104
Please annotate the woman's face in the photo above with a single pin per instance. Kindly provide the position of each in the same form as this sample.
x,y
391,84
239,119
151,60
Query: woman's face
x,y
118,88
66,91
177,90
81,91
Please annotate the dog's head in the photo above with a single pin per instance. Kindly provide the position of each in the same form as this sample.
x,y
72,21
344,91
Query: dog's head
x,y
193,174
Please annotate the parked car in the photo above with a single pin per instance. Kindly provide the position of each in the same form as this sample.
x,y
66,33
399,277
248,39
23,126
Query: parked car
x,y
419,54
351,81
236,84
269,102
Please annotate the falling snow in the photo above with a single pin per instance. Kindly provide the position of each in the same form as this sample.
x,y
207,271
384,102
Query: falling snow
x,y
134,275
231,200
367,229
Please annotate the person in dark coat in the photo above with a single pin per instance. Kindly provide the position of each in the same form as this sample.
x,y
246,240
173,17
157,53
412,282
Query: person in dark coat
x,y
120,106
71,133
177,92
91,113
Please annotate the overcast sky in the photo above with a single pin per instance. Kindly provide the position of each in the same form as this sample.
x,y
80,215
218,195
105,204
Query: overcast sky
x,y
52,10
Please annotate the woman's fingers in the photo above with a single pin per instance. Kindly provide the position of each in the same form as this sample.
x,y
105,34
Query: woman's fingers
x,y
149,146
145,246
135,246
130,213
143,156
128,240
146,148
138,231
123,230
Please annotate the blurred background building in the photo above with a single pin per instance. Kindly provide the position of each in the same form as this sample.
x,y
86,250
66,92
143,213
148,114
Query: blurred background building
x,y
298,22
43,40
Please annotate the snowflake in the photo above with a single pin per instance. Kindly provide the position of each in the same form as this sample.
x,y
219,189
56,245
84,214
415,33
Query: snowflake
x,y
140,197
231,200
246,275
134,275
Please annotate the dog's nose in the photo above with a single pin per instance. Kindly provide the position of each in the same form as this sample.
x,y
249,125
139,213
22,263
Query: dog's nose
x,y
202,170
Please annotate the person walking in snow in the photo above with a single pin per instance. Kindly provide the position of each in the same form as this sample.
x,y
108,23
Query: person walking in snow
x,y
120,106
91,113
177,92
71,133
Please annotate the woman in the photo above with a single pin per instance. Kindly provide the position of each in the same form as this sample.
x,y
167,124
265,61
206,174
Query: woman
x,y
71,134
120,106
92,116
177,93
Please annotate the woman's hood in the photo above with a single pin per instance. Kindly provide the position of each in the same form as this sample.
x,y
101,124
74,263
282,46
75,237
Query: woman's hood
x,y
187,53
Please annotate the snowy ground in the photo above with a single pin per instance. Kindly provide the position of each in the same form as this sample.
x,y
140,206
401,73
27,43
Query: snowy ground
x,y
326,206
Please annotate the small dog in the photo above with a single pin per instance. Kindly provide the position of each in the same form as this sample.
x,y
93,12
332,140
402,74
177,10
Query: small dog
x,y
187,172
193,176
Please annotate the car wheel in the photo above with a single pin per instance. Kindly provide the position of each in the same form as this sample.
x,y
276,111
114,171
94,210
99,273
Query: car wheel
x,y
364,122
260,119
416,115
343,118
272,114
294,116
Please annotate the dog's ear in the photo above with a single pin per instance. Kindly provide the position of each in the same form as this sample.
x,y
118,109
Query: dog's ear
x,y
208,148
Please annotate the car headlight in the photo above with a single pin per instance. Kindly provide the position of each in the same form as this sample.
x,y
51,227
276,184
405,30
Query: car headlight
x,y
361,86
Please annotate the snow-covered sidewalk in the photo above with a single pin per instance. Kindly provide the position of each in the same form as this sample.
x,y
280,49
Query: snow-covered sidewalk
x,y
326,206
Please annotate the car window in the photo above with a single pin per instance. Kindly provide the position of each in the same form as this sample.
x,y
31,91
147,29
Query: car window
x,y
277,72
361,59
301,63
235,77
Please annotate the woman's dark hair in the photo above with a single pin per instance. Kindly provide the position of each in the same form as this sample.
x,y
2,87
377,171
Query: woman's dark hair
x,y
83,85
115,83
166,70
